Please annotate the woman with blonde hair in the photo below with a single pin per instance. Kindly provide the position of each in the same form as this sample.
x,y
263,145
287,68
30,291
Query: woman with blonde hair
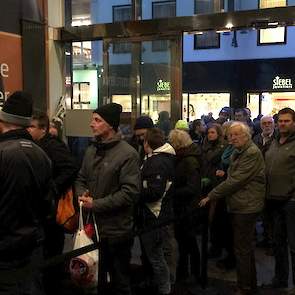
x,y
187,190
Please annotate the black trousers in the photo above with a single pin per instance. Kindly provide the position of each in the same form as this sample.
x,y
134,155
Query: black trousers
x,y
244,230
221,232
114,259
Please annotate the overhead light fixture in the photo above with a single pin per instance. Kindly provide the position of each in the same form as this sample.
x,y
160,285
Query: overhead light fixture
x,y
273,24
223,31
229,25
194,33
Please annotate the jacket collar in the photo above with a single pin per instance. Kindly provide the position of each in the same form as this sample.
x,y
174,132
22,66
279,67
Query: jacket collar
x,y
244,148
103,145
15,134
290,138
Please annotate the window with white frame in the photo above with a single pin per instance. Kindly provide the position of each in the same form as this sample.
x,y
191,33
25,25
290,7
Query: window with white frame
x,y
122,13
162,9
209,39
272,35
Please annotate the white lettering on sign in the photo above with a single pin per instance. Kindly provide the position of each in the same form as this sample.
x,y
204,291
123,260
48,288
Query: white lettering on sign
x,y
4,69
279,83
163,85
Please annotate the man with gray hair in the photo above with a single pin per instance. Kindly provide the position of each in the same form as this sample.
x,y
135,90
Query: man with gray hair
x,y
264,139
244,190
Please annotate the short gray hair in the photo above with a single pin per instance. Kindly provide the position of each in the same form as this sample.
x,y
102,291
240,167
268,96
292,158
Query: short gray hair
x,y
245,128
267,117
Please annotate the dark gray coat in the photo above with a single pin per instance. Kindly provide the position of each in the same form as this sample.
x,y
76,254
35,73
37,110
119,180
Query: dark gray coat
x,y
110,171
280,169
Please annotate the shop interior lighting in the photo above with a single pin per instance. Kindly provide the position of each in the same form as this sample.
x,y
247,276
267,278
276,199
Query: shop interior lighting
x,y
229,25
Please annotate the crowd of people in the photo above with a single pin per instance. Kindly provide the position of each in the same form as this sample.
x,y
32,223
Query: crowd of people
x,y
238,170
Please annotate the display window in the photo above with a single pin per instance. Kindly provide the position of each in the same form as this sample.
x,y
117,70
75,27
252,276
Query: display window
x,y
272,102
199,104
152,105
269,103
253,104
125,101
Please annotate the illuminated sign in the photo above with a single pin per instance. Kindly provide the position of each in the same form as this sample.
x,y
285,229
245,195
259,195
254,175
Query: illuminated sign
x,y
279,83
163,85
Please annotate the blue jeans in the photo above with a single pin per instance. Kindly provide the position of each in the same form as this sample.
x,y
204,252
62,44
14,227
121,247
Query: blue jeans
x,y
29,282
154,249
283,217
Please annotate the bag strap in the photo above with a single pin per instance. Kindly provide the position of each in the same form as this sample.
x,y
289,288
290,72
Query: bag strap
x,y
81,224
95,226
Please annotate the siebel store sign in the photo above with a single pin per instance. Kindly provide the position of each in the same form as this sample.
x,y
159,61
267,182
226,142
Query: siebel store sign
x,y
279,83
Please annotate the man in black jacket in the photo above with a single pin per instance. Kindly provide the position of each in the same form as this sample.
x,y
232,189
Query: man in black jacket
x,y
64,172
25,175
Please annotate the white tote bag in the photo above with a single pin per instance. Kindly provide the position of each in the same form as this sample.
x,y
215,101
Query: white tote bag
x,y
84,268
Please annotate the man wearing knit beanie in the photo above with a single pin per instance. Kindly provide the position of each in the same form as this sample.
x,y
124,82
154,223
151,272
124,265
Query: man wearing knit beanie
x,y
108,185
25,178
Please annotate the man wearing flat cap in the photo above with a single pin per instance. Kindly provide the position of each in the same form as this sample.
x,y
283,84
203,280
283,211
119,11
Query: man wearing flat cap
x,y
25,178
108,184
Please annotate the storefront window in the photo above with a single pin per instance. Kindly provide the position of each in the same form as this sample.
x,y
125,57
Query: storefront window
x,y
152,105
272,102
204,103
253,104
125,101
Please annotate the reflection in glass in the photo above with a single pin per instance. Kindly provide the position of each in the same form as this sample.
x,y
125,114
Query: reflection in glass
x,y
155,80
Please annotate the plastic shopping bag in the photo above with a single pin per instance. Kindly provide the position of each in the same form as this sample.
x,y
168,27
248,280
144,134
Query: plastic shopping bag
x,y
84,268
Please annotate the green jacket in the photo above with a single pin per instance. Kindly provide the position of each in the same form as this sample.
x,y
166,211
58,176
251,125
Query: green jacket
x,y
244,188
110,171
280,169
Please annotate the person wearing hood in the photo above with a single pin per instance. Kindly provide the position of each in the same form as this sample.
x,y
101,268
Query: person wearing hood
x,y
280,179
157,177
108,185
187,190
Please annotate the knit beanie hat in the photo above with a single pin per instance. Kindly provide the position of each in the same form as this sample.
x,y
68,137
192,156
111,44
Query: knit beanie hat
x,y
182,125
143,122
111,114
17,109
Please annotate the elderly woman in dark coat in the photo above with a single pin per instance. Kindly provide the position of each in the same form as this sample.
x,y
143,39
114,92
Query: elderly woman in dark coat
x,y
187,190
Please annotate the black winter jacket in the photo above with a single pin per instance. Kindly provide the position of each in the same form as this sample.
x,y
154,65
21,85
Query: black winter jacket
x,y
187,179
157,171
25,173
64,166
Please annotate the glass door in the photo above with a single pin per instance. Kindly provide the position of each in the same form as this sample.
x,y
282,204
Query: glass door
x,y
144,76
